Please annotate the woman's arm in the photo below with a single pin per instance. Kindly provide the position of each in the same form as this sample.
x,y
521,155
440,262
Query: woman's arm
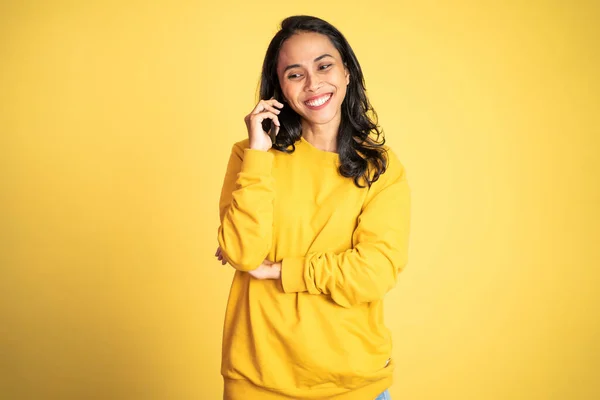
x,y
369,270
246,207
246,204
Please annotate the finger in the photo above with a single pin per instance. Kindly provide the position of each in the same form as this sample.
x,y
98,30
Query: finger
x,y
260,117
223,262
275,102
273,133
265,105
260,107
270,107
218,251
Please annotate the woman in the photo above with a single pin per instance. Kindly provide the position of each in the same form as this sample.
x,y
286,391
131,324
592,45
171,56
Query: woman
x,y
315,220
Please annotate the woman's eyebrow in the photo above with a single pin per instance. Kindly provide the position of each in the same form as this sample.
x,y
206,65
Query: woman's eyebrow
x,y
323,56
316,59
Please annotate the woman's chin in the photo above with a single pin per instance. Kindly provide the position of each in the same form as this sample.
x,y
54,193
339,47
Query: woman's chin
x,y
318,118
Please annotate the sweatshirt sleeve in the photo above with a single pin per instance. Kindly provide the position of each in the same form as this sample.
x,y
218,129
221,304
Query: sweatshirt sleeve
x,y
366,272
246,208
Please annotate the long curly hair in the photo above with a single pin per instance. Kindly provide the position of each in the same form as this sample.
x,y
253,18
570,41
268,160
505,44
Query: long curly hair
x,y
360,140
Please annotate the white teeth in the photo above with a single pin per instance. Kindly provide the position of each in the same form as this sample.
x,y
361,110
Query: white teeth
x,y
318,102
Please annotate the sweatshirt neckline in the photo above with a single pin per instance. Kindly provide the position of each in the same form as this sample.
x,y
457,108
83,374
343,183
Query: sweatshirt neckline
x,y
329,155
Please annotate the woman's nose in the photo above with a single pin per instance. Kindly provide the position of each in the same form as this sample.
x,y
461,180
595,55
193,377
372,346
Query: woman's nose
x,y
312,83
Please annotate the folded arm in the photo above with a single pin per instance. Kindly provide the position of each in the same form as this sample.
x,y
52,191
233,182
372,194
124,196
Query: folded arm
x,y
246,208
366,272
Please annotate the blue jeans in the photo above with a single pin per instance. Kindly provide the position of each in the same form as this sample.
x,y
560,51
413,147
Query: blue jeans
x,y
384,396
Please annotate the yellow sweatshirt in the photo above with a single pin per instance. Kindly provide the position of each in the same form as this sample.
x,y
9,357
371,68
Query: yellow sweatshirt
x,y
318,333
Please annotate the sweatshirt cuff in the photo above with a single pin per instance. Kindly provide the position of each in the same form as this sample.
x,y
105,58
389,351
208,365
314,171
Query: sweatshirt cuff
x,y
292,275
257,162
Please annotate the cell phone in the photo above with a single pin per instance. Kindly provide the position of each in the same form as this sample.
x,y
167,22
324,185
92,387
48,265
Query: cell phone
x,y
268,125
273,131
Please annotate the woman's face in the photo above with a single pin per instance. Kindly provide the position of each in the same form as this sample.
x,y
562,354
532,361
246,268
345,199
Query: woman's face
x,y
312,77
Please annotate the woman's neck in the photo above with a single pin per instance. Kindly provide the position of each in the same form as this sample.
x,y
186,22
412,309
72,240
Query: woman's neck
x,y
321,136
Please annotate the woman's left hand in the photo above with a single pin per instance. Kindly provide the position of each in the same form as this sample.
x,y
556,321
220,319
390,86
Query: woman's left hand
x,y
220,256
267,270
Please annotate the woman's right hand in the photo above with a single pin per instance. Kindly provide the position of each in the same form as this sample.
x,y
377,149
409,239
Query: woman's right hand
x,y
259,139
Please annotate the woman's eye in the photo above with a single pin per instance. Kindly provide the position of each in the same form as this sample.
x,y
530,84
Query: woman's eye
x,y
293,76
325,66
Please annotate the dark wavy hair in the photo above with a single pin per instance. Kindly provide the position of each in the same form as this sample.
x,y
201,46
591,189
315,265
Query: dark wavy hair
x,y
360,140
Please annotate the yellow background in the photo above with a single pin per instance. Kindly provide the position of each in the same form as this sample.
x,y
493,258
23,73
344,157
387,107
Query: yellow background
x,y
116,122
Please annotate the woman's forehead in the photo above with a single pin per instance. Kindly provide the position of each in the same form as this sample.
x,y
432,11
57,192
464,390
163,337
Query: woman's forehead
x,y
304,47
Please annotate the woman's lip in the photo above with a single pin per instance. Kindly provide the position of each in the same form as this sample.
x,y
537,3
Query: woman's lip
x,y
322,105
317,97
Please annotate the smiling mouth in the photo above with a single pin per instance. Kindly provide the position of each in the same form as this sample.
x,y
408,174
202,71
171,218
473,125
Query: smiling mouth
x,y
319,101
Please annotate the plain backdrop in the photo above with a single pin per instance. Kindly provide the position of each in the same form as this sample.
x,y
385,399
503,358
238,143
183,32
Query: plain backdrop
x,y
116,123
